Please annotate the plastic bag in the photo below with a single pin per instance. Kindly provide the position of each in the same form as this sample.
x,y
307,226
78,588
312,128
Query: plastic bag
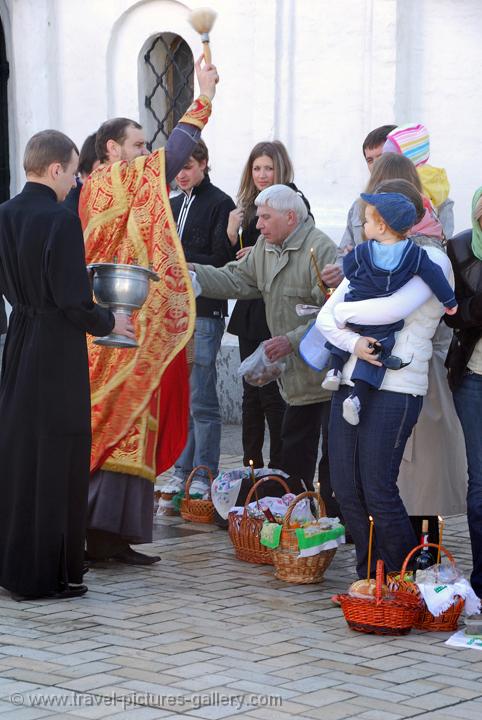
x,y
257,370
196,287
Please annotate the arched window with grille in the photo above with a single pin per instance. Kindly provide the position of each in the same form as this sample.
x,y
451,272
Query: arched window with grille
x,y
166,84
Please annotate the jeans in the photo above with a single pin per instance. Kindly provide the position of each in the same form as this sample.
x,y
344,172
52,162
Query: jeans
x,y
364,464
204,435
301,437
260,403
468,404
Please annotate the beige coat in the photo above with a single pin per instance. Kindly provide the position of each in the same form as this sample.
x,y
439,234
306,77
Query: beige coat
x,y
433,473
283,276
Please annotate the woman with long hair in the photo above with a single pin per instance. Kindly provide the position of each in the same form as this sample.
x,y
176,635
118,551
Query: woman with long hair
x,y
268,164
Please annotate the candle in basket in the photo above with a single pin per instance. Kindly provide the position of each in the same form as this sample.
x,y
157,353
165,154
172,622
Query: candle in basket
x,y
316,485
441,524
253,476
253,480
370,542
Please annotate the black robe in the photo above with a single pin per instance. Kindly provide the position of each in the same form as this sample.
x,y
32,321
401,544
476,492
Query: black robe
x,y
45,432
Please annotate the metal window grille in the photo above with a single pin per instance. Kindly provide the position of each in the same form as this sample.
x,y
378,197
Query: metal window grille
x,y
171,67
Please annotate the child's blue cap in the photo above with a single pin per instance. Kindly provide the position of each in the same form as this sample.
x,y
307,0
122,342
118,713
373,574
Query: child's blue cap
x,y
397,210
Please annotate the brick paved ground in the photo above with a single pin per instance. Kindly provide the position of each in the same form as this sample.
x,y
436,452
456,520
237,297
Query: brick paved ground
x,y
201,635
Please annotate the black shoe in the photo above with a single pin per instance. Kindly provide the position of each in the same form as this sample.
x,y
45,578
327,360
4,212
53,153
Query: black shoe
x,y
70,591
132,557
91,560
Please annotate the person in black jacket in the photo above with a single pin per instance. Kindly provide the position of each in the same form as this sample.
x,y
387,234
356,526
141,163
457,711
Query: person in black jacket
x,y
201,212
268,163
45,438
464,363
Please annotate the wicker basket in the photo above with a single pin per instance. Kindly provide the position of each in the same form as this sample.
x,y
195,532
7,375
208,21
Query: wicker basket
x,y
288,566
197,510
244,531
381,616
448,620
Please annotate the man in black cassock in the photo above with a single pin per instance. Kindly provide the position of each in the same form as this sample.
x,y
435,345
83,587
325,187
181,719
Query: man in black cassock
x,y
45,431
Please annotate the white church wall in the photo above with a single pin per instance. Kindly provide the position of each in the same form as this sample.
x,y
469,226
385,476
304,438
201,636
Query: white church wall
x,y
317,74
439,56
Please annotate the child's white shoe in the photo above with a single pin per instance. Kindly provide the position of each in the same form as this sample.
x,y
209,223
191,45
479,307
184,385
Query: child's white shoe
x,y
351,410
332,380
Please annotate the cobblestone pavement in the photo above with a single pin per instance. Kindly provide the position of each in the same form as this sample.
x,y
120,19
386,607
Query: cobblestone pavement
x,y
202,635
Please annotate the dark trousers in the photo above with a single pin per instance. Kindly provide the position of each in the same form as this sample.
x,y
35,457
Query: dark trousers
x,y
302,425
260,404
364,461
468,403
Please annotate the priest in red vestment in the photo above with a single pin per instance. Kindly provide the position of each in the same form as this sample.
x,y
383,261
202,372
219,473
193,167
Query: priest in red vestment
x,y
139,397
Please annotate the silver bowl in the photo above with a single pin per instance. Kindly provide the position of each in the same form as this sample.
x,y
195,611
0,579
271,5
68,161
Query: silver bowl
x,y
123,289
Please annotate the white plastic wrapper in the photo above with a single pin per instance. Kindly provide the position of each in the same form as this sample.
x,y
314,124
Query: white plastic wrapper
x,y
257,370
195,284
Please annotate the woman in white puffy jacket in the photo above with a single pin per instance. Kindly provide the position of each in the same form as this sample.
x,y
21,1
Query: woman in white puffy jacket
x,y
365,459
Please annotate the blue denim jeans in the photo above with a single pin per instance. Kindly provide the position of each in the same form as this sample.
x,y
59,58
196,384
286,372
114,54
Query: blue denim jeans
x,y
468,404
364,464
204,435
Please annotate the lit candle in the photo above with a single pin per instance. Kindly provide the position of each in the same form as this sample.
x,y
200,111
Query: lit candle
x,y
318,496
441,524
240,235
253,476
370,541
318,273
253,480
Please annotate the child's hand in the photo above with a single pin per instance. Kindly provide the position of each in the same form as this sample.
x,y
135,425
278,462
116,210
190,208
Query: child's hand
x,y
452,310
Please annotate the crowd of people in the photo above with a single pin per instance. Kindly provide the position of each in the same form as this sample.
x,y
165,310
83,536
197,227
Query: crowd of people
x,y
399,308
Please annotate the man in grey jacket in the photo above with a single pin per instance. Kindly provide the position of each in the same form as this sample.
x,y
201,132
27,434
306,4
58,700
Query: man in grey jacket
x,y
279,269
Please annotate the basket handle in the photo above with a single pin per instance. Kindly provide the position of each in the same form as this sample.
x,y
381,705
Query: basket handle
x,y
257,484
419,547
189,480
302,496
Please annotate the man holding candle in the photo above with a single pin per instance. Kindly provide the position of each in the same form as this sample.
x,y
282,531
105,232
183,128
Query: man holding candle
x,y
280,270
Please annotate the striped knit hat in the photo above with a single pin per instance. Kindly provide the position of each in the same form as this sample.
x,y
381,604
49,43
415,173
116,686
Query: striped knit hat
x,y
409,140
